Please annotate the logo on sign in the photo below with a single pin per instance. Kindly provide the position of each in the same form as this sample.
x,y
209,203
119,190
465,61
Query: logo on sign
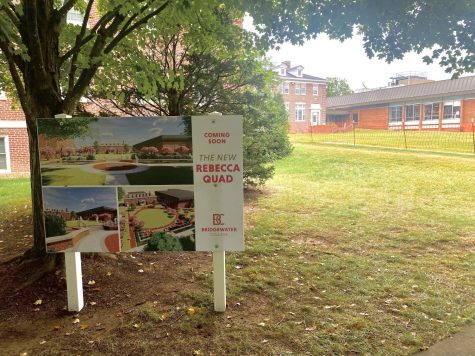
x,y
217,219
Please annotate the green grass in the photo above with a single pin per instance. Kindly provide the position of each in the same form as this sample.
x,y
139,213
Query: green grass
x,y
74,223
153,218
14,191
460,142
162,175
71,177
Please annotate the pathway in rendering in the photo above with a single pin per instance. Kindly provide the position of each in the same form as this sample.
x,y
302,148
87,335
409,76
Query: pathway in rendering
x,y
95,241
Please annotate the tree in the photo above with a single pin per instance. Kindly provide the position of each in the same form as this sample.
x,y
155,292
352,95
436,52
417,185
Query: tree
x,y
338,86
48,64
192,69
55,225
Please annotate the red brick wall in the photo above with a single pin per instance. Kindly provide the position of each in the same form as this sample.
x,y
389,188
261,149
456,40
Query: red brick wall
x,y
468,113
19,149
374,118
8,112
307,99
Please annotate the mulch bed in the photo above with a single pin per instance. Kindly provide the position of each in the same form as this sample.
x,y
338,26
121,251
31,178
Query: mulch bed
x,y
115,166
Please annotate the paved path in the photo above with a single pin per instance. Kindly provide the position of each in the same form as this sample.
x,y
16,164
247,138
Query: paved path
x,y
461,344
95,241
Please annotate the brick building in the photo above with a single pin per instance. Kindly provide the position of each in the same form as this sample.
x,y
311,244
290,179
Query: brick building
x,y
304,97
447,105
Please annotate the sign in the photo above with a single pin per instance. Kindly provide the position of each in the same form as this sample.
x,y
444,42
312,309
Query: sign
x,y
142,184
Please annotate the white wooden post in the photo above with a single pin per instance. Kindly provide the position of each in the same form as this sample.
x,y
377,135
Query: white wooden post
x,y
219,275
72,262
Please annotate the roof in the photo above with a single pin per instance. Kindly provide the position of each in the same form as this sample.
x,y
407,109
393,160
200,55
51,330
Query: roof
x,y
304,76
438,88
163,138
98,209
180,194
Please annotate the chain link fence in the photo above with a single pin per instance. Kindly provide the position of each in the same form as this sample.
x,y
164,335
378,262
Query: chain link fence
x,y
399,137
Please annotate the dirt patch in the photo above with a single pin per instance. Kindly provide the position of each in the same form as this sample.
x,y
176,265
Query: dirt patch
x,y
112,242
115,166
113,289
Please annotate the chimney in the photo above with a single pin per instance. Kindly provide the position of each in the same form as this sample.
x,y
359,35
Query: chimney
x,y
286,63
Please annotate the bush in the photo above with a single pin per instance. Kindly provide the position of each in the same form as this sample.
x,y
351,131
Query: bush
x,y
54,225
90,157
161,241
188,243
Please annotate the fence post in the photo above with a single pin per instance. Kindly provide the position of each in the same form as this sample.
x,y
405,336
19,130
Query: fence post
x,y
404,133
473,137
354,133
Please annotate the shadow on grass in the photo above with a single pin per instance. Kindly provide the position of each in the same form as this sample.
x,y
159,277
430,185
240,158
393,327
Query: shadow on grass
x,y
162,176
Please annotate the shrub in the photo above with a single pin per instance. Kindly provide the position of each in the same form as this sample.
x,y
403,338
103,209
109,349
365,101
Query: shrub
x,y
54,225
90,157
161,241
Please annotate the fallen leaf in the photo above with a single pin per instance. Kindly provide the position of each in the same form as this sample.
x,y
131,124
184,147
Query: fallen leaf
x,y
109,274
91,282
83,326
191,311
91,341
67,334
38,302
265,341
75,321
92,303
197,352
140,271
228,325
42,342
331,306
136,325
262,324
310,328
57,327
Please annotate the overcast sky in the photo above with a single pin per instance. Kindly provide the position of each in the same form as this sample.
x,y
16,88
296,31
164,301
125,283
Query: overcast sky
x,y
323,57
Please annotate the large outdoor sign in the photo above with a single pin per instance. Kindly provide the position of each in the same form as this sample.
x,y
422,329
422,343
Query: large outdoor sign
x,y
142,184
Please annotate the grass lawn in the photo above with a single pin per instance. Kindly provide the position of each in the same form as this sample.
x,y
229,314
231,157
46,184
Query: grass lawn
x,y
153,218
354,251
460,142
14,191
84,223
70,177
162,175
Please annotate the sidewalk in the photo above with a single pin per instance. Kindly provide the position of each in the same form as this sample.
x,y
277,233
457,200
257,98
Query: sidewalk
x,y
461,344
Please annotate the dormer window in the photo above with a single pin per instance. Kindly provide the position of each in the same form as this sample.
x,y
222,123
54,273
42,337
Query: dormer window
x,y
299,72
283,71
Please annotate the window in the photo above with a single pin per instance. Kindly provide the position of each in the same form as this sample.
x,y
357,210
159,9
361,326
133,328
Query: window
x,y
300,88
395,114
299,112
4,159
3,95
451,111
282,71
299,72
286,106
413,113
315,89
355,118
431,112
315,117
74,17
286,87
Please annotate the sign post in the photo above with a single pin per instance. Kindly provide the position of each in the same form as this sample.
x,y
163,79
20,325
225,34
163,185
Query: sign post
x,y
219,276
72,262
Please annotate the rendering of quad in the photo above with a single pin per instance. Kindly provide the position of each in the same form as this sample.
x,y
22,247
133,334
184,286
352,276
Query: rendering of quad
x,y
115,151
154,218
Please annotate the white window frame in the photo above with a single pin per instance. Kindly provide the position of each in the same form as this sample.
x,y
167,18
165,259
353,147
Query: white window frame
x,y
73,17
395,122
299,107
7,155
412,121
315,90
287,106
283,71
303,88
299,72
431,120
286,88
315,117
3,95
454,119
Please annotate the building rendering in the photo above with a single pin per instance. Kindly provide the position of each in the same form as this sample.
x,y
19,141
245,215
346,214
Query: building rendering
x,y
304,97
176,198
447,105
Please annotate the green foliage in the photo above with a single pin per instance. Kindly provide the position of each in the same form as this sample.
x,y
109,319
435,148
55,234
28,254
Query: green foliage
x,y
194,69
338,86
161,241
54,225
65,128
120,193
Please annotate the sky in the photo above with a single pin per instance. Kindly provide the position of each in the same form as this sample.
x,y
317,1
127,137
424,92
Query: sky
x,y
79,199
323,57
131,130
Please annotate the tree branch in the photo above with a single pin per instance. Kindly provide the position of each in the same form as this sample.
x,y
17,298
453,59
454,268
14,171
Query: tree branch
x,y
12,15
63,11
